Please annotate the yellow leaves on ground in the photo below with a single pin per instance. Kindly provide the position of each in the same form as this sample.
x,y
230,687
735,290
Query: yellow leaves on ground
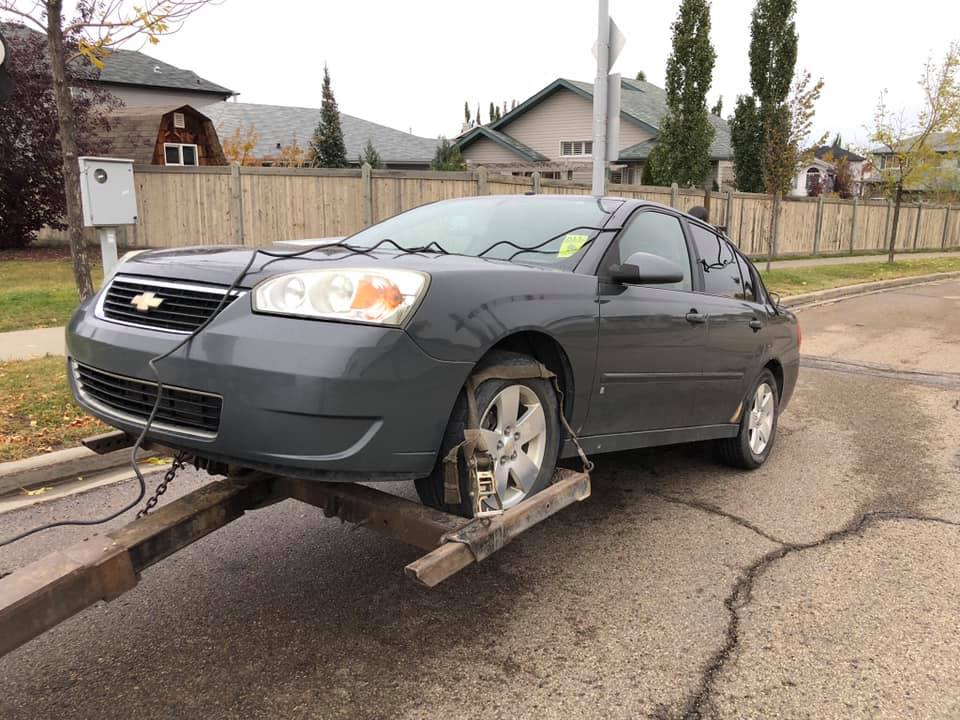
x,y
37,413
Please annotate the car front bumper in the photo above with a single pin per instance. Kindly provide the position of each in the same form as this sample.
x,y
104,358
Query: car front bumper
x,y
316,399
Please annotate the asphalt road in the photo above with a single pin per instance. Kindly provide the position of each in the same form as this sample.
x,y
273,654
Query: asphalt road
x,y
823,585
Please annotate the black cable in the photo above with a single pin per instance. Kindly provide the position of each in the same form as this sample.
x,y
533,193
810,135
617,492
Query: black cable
x,y
224,301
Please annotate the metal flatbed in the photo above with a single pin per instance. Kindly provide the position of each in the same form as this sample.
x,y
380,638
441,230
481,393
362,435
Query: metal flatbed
x,y
46,592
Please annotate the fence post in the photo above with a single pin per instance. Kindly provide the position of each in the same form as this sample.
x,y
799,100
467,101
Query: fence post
x,y
236,204
946,227
674,190
482,180
728,220
535,179
818,229
916,229
366,201
853,223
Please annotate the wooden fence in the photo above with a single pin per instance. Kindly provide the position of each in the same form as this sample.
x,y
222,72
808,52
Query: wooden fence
x,y
256,206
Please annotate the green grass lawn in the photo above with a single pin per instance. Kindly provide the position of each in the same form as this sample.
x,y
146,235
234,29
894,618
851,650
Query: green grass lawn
x,y
37,291
794,281
37,414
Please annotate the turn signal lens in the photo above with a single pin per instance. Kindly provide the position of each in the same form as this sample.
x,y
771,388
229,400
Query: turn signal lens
x,y
386,297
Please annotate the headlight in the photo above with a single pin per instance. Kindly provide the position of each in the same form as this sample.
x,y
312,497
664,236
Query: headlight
x,y
385,297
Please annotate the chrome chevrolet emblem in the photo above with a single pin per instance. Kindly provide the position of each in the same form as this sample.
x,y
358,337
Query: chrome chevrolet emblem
x,y
145,302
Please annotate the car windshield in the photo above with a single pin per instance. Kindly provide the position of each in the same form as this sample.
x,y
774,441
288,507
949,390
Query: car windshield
x,y
510,227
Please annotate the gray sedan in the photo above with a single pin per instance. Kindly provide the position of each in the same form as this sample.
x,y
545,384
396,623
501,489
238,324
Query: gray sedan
x,y
354,360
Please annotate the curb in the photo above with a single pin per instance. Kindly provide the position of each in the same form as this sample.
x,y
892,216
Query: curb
x,y
60,466
814,298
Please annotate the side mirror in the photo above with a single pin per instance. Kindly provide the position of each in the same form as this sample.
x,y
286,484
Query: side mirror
x,y
646,269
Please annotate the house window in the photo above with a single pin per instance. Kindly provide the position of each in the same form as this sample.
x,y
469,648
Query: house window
x,y
813,181
574,148
178,154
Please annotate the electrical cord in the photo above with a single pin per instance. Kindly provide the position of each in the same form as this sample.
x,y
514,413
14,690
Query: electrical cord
x,y
432,247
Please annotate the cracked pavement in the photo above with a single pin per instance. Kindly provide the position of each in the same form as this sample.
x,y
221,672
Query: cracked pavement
x,y
822,585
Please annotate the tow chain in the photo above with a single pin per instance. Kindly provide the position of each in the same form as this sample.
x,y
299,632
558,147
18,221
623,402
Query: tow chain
x,y
178,462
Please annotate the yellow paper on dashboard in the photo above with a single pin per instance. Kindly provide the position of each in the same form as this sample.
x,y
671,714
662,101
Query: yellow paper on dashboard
x,y
571,244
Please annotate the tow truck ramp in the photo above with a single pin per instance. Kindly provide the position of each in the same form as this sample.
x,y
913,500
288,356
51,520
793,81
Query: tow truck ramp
x,y
46,592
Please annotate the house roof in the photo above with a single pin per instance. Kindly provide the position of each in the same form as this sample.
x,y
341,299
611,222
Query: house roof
x,y
131,67
641,103
942,142
134,131
282,125
837,153
503,140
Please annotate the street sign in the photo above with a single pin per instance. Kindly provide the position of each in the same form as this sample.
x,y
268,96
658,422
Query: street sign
x,y
617,41
613,116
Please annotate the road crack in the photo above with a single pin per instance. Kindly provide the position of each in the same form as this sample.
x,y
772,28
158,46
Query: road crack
x,y
716,510
742,592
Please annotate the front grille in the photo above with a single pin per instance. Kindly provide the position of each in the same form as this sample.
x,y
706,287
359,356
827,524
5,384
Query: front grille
x,y
182,307
180,409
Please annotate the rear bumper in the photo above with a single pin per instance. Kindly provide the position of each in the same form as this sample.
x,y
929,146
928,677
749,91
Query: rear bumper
x,y
308,398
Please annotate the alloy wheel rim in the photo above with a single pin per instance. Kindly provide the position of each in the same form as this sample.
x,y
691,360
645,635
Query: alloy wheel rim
x,y
515,430
760,421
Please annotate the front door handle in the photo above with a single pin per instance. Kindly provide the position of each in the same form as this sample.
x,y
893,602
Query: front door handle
x,y
756,325
696,318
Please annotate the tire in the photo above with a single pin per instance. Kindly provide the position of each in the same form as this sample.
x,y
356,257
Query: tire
x,y
493,396
746,449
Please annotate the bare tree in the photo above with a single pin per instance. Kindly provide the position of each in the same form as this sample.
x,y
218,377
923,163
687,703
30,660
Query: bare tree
x,y
787,131
909,147
90,34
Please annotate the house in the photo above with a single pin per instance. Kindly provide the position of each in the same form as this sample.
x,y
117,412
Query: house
x,y
819,174
941,176
136,79
552,132
173,135
276,127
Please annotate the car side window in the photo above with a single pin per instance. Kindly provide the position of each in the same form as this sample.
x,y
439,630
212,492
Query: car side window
x,y
658,234
721,272
748,276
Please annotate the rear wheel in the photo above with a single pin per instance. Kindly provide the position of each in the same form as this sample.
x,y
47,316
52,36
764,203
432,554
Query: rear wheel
x,y
758,427
519,422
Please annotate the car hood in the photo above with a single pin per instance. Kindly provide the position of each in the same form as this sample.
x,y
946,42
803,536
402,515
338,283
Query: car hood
x,y
220,265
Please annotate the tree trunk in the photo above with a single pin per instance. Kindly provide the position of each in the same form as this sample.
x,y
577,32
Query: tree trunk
x,y
68,146
896,221
774,228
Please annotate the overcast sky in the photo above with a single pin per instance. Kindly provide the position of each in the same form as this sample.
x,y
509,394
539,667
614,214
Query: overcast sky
x,y
411,65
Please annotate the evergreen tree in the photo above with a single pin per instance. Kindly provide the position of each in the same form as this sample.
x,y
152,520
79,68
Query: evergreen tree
x,y
492,112
370,156
447,157
746,136
478,113
717,109
682,152
466,112
327,148
773,55
641,76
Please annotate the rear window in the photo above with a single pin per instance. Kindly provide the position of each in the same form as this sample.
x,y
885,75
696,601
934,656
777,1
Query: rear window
x,y
509,227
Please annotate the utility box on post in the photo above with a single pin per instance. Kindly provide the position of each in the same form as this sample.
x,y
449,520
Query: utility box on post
x,y
109,199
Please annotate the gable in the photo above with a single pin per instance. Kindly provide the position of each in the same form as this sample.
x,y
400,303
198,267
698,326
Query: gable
x,y
559,116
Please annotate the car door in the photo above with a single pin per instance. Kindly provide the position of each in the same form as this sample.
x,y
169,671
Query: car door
x,y
651,338
735,328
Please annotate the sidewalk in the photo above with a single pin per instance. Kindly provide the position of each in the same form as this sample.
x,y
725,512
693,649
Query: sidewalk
x,y
852,259
26,344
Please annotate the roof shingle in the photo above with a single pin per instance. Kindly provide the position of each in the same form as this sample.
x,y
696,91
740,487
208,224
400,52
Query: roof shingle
x,y
281,125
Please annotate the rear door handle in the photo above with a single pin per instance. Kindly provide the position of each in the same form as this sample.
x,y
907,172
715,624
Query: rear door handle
x,y
696,318
756,325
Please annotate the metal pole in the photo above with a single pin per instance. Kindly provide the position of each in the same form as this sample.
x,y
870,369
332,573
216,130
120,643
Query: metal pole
x,y
600,99
108,250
